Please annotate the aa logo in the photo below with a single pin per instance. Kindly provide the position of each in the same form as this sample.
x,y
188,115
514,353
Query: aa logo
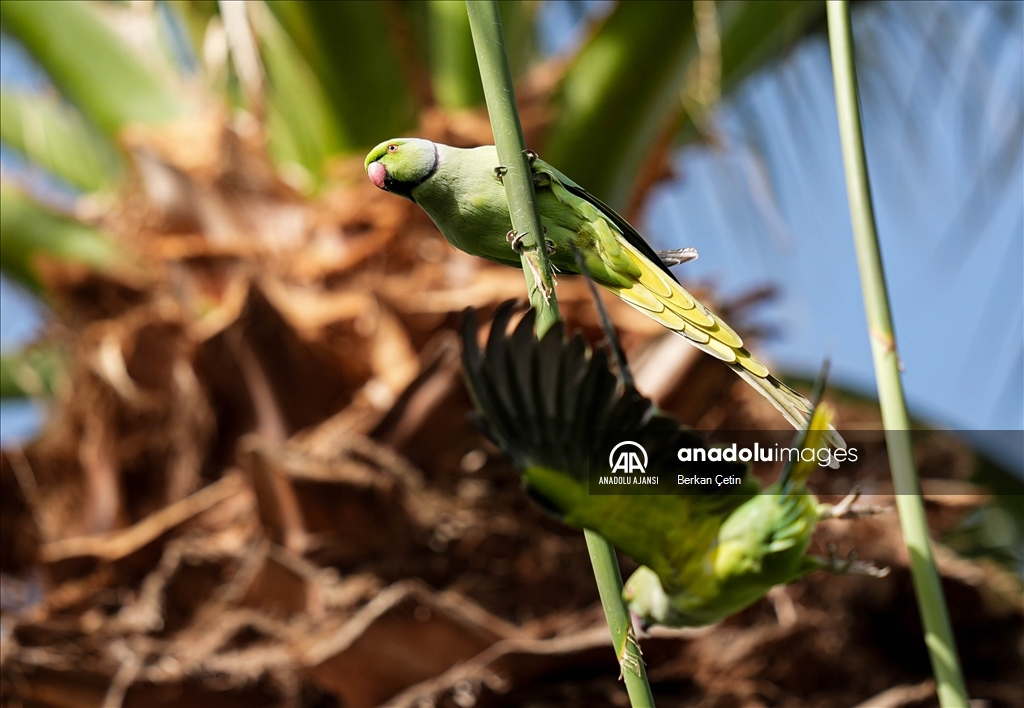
x,y
628,457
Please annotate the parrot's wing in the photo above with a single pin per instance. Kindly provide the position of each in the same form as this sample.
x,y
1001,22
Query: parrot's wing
x,y
628,232
545,403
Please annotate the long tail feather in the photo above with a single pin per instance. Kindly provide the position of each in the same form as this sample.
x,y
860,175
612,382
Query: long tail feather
x,y
666,301
796,409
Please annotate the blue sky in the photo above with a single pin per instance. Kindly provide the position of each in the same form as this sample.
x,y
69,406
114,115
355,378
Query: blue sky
x,y
950,215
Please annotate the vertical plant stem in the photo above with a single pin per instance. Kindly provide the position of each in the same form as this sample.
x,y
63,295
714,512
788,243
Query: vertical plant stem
x,y
489,42
627,650
934,615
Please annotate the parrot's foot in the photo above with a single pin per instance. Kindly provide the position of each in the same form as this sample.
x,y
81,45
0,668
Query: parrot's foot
x,y
677,256
500,171
846,509
849,565
515,240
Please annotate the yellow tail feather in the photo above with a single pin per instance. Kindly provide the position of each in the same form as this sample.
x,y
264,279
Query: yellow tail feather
x,y
667,302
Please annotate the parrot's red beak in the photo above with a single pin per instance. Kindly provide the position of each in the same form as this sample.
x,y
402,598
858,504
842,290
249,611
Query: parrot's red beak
x,y
378,173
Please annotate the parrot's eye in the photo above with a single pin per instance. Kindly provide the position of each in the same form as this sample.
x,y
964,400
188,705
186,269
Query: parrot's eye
x,y
392,148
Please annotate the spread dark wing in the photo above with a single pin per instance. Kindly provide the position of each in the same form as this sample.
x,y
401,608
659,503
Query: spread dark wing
x,y
545,404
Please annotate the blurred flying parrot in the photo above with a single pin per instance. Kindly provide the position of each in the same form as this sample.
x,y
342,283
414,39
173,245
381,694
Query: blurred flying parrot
x,y
462,192
703,556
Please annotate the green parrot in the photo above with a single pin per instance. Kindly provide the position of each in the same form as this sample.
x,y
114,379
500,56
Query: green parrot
x,y
462,192
703,556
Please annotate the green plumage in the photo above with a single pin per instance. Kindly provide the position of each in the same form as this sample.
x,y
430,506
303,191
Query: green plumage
x,y
703,556
463,194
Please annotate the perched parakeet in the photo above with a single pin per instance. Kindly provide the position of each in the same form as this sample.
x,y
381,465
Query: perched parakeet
x,y
462,192
703,556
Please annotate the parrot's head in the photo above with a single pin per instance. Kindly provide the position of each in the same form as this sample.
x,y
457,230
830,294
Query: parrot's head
x,y
402,164
646,597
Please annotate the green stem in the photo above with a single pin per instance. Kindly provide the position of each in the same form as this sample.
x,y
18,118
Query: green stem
x,y
927,586
627,650
489,42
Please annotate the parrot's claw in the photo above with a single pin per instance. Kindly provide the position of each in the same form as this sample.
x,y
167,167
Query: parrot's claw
x,y
846,509
677,256
538,180
515,240
850,565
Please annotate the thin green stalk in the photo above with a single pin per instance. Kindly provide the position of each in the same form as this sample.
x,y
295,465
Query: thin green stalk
x,y
934,616
489,42
627,650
